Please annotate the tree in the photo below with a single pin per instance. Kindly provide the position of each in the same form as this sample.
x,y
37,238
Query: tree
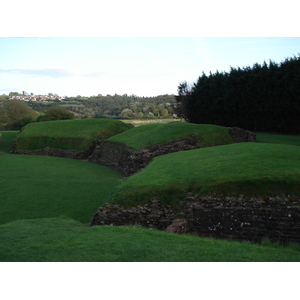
x,y
11,111
14,94
183,98
3,97
261,98
164,112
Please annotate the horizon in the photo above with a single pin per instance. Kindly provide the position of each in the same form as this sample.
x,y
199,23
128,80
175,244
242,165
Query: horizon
x,y
145,67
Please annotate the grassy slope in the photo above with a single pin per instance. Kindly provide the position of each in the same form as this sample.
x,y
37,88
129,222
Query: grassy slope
x,y
244,168
8,138
41,187
68,134
159,133
66,240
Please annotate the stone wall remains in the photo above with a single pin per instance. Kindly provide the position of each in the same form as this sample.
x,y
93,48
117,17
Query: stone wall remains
x,y
127,161
75,154
241,218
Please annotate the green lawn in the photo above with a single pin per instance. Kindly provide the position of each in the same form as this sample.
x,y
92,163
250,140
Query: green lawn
x,y
153,134
278,138
41,187
65,240
242,168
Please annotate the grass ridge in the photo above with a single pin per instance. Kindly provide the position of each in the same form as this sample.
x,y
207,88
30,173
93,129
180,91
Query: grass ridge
x,y
68,134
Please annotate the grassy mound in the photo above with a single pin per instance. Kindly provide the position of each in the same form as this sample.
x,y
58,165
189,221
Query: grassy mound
x,y
68,134
244,168
65,240
154,134
42,187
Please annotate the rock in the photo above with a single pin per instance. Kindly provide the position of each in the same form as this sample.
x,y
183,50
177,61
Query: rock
x,y
178,226
240,135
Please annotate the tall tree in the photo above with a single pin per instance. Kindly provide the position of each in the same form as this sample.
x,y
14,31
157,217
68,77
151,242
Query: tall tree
x,y
262,98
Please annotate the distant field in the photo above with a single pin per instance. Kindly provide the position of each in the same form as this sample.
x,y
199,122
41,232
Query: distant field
x,y
153,134
68,134
137,123
243,168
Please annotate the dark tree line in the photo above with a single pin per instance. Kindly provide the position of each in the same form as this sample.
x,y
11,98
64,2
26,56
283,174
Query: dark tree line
x,y
262,98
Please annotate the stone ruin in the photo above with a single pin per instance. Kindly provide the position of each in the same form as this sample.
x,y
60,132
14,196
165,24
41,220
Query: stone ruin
x,y
238,218
241,218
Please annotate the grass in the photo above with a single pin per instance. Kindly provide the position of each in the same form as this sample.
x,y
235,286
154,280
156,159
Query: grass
x,y
59,239
47,201
153,134
278,139
243,168
138,123
68,134
8,138
42,187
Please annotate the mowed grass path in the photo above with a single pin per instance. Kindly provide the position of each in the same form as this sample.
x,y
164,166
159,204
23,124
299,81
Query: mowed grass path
x,y
67,240
242,168
41,187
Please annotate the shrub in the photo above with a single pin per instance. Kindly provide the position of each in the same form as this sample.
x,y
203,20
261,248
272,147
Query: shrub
x,y
12,111
56,113
22,122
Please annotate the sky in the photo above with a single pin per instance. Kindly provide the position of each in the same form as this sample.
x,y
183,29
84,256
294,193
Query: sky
x,y
143,66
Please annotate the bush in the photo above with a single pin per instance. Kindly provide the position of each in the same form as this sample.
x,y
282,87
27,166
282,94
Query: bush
x,y
12,112
22,122
56,113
